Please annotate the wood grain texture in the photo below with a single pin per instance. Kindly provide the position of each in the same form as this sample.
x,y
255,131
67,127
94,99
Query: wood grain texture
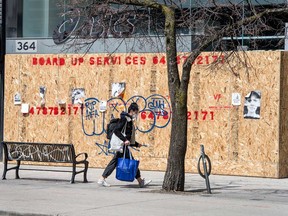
x,y
236,146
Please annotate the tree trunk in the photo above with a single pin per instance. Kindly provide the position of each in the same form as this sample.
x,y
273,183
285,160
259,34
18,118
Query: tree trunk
x,y
175,173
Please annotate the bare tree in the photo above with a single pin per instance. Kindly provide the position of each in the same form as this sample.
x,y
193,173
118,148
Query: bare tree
x,y
213,20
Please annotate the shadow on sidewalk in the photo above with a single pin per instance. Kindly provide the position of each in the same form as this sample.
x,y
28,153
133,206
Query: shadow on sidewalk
x,y
45,179
136,186
201,191
8,213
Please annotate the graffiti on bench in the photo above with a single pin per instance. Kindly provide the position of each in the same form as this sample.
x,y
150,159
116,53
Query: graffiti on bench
x,y
43,153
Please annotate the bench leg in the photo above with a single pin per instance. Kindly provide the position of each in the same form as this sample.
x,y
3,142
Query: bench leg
x,y
73,174
5,168
17,169
85,171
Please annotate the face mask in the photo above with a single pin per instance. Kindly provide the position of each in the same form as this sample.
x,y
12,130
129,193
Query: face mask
x,y
134,116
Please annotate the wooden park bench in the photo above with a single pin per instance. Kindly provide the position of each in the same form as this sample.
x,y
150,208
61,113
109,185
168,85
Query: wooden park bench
x,y
44,153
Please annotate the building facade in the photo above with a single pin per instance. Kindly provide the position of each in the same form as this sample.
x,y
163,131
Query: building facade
x,y
38,19
59,95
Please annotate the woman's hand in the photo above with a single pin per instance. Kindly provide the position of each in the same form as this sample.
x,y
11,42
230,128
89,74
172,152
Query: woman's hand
x,y
127,142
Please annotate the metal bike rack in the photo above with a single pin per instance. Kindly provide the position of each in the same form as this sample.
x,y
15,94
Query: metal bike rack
x,y
205,169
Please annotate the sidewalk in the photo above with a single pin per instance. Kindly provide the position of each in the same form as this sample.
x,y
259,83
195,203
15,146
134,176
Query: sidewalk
x,y
50,193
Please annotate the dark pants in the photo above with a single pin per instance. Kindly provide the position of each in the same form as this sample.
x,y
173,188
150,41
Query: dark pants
x,y
113,163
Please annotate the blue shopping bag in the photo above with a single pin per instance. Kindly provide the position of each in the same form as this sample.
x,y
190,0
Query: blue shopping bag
x,y
126,168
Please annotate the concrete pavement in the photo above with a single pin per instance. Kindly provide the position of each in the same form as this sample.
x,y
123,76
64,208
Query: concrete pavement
x,y
50,193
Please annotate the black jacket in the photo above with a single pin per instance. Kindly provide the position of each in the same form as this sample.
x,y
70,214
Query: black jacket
x,y
129,127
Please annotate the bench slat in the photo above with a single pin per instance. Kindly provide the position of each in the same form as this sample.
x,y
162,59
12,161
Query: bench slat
x,y
58,153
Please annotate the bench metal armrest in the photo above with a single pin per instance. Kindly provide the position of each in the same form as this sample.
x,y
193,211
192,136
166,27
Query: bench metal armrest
x,y
85,155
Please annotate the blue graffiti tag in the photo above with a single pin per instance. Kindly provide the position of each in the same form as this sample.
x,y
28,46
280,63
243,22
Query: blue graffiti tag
x,y
161,107
114,104
156,107
140,100
151,124
92,115
156,103
91,112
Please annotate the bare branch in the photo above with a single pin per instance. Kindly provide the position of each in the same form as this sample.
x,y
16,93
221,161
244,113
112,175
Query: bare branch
x,y
216,37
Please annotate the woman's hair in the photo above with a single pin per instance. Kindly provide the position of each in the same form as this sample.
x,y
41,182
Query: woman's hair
x,y
253,93
133,107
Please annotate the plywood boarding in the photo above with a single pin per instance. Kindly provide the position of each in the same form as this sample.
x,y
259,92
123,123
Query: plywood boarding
x,y
236,146
283,130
